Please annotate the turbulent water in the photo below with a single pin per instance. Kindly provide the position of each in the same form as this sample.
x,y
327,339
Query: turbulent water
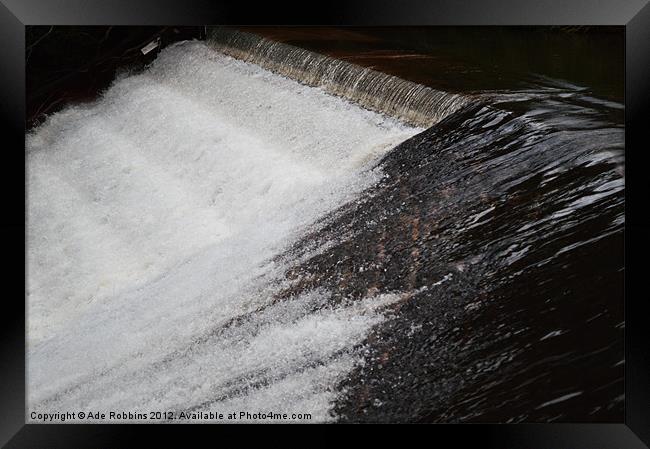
x,y
153,218
214,236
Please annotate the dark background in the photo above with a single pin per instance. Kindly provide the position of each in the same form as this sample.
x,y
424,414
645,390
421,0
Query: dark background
x,y
68,64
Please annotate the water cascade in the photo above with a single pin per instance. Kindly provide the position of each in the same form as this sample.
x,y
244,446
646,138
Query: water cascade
x,y
405,100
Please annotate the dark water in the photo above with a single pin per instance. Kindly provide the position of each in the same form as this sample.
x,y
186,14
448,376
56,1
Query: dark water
x,y
504,224
475,58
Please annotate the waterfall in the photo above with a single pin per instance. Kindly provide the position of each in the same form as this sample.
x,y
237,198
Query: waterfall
x,y
248,226
405,100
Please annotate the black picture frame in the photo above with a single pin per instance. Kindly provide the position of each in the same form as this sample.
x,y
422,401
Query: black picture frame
x,y
634,15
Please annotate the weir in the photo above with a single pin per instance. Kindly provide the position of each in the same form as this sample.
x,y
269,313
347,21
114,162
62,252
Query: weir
x,y
246,226
413,103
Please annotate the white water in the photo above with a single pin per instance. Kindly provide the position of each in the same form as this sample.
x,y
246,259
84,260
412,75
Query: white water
x,y
153,216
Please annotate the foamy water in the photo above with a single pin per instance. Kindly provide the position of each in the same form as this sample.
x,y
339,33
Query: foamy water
x,y
154,215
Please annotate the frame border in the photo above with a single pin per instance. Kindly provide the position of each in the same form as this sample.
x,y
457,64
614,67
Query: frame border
x,y
633,14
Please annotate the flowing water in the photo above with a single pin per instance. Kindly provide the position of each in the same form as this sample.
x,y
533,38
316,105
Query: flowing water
x,y
411,102
212,235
